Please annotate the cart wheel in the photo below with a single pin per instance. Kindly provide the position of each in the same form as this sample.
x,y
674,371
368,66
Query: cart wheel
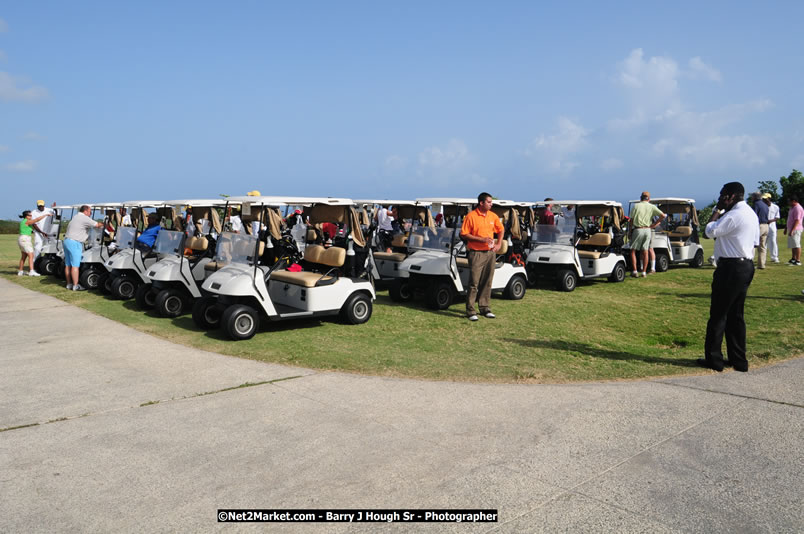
x,y
618,274
440,295
400,291
662,262
105,283
90,278
48,266
145,295
240,321
123,288
697,260
515,289
170,303
206,315
357,309
567,280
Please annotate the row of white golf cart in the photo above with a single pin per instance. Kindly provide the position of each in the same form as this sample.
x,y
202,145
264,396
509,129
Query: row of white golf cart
x,y
327,261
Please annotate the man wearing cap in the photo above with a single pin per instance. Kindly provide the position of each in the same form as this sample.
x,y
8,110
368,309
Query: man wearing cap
x,y
642,215
762,211
736,227
773,216
482,231
41,228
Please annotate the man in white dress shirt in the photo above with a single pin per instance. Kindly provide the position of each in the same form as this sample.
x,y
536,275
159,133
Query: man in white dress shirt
x,y
736,227
773,217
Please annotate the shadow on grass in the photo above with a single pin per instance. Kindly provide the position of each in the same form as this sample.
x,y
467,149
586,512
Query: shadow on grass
x,y
185,322
709,295
417,302
597,352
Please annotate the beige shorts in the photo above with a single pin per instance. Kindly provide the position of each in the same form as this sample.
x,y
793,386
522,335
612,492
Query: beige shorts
x,y
794,239
24,241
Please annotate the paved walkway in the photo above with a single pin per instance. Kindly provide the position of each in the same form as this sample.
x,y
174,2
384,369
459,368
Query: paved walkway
x,y
132,433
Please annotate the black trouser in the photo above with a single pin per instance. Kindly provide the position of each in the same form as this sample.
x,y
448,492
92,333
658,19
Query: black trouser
x,y
729,287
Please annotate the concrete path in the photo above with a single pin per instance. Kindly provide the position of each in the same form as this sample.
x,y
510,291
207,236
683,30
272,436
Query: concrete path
x,y
132,433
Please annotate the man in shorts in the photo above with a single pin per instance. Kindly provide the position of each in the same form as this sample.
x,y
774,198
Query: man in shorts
x,y
793,231
74,239
641,231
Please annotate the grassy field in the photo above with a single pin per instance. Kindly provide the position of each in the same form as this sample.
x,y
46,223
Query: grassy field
x,y
601,331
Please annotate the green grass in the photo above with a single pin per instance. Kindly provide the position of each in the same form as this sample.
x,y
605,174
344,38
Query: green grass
x,y
601,331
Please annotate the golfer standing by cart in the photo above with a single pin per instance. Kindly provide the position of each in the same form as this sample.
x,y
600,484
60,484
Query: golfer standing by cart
x,y
736,227
641,231
483,232
74,238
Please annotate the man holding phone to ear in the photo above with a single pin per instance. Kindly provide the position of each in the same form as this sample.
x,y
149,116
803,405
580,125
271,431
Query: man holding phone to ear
x,y
736,227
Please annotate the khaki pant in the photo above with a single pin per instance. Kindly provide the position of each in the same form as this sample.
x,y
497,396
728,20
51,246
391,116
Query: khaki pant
x,y
481,273
763,241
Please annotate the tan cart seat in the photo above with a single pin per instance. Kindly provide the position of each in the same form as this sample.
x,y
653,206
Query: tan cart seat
x,y
304,279
389,256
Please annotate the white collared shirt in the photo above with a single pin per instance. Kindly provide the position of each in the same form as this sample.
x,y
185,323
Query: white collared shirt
x,y
773,213
737,232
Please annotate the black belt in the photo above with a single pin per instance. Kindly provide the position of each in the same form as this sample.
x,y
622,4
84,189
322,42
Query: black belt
x,y
729,260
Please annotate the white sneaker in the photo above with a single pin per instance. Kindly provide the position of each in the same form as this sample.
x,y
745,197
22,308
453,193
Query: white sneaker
x,y
644,274
79,287
20,273
33,273
69,286
489,315
472,318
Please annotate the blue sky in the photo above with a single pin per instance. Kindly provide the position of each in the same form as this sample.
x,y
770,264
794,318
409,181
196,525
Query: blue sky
x,y
107,101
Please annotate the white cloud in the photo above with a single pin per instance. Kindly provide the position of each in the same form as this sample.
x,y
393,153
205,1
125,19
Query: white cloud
x,y
452,163
14,88
33,136
554,151
394,164
611,164
4,148
3,26
652,83
28,165
699,69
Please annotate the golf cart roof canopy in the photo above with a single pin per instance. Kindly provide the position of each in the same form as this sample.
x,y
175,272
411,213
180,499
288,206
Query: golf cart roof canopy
x,y
669,200
143,203
292,201
444,201
580,203
196,202
386,202
108,205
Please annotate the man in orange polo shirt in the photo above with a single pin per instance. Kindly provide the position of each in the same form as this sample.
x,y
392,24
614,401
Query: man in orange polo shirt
x,y
483,232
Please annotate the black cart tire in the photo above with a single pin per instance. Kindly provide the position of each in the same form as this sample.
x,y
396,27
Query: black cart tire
x,y
400,291
123,288
357,309
145,295
105,283
170,303
516,287
439,295
90,278
662,262
206,314
240,321
618,274
567,280
697,260
48,266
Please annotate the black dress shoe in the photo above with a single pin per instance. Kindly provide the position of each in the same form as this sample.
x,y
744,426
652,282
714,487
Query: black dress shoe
x,y
705,363
727,363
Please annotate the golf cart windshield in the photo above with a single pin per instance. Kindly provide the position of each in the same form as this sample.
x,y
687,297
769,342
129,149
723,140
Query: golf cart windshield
x,y
168,242
426,238
95,236
236,248
554,233
125,237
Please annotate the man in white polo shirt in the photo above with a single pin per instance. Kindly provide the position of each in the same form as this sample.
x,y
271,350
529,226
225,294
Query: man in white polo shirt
x,y
736,227
41,228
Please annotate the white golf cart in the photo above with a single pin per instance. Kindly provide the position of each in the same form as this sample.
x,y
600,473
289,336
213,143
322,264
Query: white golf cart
x,y
675,241
243,291
584,243
437,264
50,260
411,214
94,270
185,251
128,267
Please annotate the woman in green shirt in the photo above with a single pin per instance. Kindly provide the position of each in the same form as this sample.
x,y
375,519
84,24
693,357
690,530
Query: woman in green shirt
x,y
24,241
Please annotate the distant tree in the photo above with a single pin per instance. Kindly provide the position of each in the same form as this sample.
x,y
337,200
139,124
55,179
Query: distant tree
x,y
792,185
705,214
769,186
